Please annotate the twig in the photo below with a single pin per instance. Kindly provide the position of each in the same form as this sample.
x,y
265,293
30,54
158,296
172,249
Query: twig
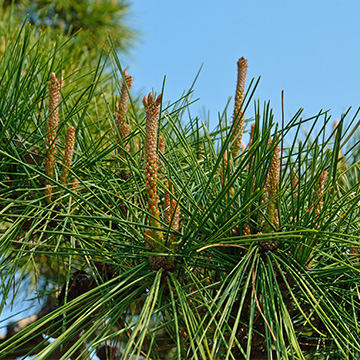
x,y
134,343
12,302
37,287
226,245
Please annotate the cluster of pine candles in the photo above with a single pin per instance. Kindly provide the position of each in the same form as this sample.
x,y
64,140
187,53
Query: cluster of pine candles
x,y
171,209
51,139
251,219
154,143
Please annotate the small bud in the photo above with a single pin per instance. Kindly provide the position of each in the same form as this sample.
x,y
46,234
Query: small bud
x,y
145,101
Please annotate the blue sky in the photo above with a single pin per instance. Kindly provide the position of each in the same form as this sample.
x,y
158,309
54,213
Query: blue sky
x,y
309,49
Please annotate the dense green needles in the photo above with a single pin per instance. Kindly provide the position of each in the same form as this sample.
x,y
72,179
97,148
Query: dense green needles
x,y
144,234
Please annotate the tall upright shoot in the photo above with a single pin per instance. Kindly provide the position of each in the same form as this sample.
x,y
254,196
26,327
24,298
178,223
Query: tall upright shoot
x,y
52,127
152,109
121,109
270,197
238,115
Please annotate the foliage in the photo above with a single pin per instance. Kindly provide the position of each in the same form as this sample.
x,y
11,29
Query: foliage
x,y
165,239
91,20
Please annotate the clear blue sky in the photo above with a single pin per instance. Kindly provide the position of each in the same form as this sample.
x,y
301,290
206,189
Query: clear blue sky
x,y
309,49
